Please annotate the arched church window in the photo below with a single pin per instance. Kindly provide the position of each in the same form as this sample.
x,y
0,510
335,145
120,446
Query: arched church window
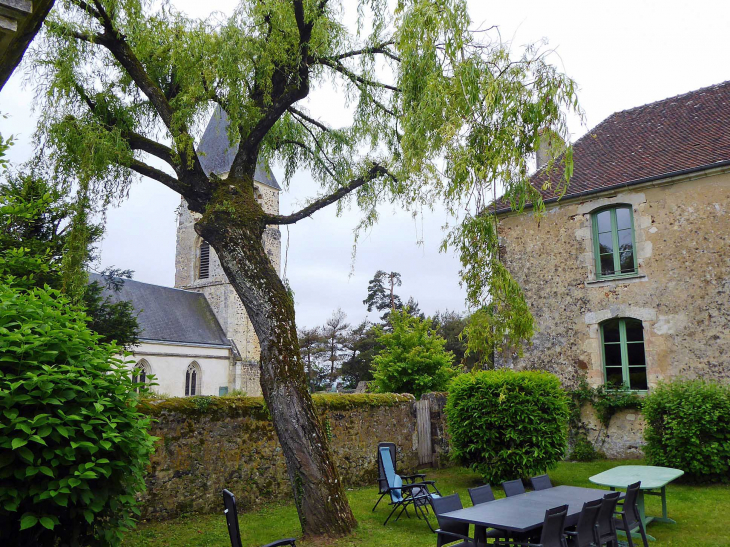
x,y
204,260
192,380
140,372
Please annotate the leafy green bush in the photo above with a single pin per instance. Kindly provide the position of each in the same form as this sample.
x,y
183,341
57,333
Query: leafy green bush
x,y
507,425
688,427
414,359
584,451
73,446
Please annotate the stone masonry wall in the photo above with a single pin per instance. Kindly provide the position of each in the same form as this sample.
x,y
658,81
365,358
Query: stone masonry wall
x,y
681,293
207,444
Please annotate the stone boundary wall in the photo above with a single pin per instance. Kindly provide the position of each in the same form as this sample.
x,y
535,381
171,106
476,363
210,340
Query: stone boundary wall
x,y
210,443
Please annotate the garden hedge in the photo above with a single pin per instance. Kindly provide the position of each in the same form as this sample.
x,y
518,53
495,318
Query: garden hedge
x,y
73,447
507,425
688,428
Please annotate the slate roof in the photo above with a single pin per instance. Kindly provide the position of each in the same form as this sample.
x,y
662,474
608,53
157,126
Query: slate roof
x,y
217,155
678,135
169,315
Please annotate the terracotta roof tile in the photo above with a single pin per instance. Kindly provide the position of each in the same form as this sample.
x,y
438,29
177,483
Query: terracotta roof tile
x,y
683,133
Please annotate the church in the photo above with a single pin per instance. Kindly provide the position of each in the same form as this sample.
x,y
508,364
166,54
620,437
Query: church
x,y
196,338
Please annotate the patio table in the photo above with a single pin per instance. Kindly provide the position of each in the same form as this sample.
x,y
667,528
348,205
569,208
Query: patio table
x,y
526,512
652,478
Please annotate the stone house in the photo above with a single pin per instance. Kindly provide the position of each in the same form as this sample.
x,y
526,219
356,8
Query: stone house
x,y
197,338
628,273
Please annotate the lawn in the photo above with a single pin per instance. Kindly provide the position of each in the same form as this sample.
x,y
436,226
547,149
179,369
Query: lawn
x,y
701,513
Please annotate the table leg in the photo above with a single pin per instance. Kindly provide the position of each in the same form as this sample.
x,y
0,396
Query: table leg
x,y
664,517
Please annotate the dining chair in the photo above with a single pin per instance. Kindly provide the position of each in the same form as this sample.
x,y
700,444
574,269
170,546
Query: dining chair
x,y
229,505
481,494
450,531
513,488
630,518
606,525
552,530
541,482
585,533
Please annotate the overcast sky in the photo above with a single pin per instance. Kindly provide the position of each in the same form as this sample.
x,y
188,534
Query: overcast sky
x,y
622,53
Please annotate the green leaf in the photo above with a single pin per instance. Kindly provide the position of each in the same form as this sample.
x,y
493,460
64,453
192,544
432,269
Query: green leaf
x,y
18,442
28,520
47,523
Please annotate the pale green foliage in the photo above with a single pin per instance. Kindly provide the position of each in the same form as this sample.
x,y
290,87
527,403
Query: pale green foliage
x,y
414,359
444,108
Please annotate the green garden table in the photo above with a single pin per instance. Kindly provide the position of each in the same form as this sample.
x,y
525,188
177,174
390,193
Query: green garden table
x,y
654,482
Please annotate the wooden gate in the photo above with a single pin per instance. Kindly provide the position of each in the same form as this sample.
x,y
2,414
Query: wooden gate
x,y
423,423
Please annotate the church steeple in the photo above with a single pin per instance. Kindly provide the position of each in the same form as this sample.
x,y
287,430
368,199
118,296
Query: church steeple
x,y
197,267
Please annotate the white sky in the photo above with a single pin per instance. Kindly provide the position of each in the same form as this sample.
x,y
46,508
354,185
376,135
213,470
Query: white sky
x,y
622,53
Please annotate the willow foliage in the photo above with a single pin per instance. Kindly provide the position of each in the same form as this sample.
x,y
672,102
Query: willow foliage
x,y
444,109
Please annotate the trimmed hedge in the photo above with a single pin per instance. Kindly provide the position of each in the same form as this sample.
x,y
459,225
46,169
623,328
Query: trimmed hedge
x,y
688,428
507,425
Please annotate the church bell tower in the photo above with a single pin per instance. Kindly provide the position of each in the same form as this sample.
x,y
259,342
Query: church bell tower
x,y
198,269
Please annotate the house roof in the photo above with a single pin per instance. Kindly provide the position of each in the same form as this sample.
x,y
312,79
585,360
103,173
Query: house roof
x,y
216,153
169,315
678,135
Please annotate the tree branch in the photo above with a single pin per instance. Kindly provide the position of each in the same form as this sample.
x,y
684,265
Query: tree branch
x,y
379,49
339,67
160,176
302,115
374,172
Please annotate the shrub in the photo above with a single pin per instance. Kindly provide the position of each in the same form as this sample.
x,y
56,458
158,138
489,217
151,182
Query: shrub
x,y
688,427
414,359
73,446
507,425
584,451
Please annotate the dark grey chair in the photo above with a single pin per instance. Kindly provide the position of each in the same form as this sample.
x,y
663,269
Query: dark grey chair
x,y
605,524
629,519
448,530
552,530
229,504
382,480
586,532
513,488
484,494
541,482
481,494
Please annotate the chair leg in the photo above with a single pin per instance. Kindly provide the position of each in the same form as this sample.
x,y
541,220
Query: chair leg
x,y
643,534
377,502
405,509
627,529
391,514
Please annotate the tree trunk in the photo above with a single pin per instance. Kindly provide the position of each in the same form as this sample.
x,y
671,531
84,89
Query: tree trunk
x,y
232,226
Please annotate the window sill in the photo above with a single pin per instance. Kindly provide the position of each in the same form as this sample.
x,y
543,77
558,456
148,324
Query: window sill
x,y
615,279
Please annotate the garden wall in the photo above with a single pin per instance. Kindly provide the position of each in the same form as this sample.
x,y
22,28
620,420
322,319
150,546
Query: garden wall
x,y
210,443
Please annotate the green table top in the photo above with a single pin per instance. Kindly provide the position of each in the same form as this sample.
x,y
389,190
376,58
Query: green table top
x,y
650,476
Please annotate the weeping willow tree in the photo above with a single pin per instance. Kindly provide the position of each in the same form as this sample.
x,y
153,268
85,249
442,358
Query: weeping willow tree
x,y
439,111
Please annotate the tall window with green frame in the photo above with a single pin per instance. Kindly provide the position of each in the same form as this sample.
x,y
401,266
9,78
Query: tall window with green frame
x,y
614,242
624,360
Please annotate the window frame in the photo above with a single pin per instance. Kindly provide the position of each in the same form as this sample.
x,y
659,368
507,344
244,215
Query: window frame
x,y
193,389
614,238
623,344
141,372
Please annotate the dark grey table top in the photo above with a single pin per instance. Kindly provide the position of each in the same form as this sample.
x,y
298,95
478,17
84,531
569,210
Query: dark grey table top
x,y
526,512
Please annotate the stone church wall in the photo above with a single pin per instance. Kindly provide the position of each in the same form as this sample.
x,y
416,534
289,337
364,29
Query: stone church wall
x,y
206,445
681,293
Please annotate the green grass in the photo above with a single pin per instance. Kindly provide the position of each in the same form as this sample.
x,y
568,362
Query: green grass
x,y
701,513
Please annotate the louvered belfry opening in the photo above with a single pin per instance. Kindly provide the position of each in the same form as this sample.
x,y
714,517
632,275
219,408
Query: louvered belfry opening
x,y
204,267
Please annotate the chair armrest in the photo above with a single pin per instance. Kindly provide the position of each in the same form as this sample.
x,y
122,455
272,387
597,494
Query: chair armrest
x,y
411,477
287,541
570,533
454,534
